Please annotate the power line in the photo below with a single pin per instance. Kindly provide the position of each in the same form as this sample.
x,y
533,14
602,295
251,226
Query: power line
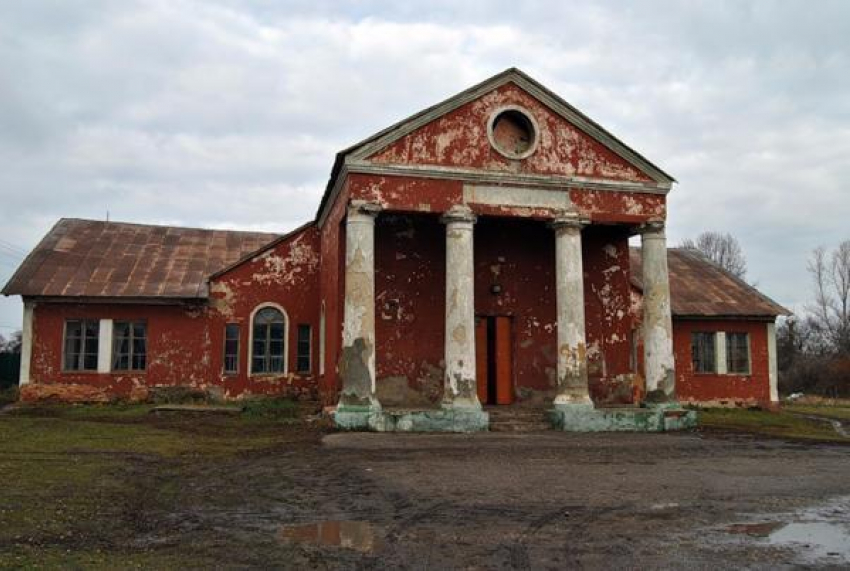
x,y
6,245
12,245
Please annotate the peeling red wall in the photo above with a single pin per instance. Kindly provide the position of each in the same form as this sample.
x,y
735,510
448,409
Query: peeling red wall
x,y
332,292
459,139
518,256
186,342
410,283
409,194
732,389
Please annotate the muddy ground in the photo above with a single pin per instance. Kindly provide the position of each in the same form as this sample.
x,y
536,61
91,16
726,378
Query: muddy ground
x,y
543,500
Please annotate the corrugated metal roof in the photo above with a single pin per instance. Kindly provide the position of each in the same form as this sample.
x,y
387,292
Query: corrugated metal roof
x,y
88,258
700,288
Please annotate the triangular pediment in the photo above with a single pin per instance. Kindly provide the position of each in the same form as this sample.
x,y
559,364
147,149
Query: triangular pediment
x,y
459,134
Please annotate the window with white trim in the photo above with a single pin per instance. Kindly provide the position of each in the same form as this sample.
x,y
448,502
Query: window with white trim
x,y
738,353
231,348
82,337
302,364
703,352
129,345
268,341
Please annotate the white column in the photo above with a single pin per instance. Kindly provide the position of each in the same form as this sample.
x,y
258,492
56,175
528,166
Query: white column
x,y
104,346
569,290
771,362
357,361
657,318
26,343
460,382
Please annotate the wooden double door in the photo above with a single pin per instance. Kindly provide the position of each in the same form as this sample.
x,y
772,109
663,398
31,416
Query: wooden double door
x,y
494,359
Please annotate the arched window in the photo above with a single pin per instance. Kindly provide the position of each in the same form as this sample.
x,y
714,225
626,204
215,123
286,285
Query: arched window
x,y
268,343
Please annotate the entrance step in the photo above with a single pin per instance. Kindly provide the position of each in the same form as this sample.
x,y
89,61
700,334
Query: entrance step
x,y
509,419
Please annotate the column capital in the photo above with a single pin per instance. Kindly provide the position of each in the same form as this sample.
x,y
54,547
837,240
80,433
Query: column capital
x,y
364,209
569,220
459,213
652,228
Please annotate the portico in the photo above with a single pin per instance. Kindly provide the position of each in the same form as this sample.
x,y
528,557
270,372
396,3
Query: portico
x,y
566,392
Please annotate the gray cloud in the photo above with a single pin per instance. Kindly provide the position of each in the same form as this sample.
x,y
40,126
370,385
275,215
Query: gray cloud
x,y
228,114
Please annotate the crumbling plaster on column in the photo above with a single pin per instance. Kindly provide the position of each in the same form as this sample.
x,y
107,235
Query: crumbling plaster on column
x,y
569,284
460,389
657,320
357,359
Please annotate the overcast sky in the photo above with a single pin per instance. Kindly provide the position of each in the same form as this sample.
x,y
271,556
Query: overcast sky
x,y
228,114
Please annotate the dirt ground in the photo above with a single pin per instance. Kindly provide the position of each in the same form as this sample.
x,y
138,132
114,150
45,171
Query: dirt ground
x,y
139,490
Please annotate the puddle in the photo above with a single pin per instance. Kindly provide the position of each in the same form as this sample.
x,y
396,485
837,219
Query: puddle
x,y
821,539
357,535
814,534
763,529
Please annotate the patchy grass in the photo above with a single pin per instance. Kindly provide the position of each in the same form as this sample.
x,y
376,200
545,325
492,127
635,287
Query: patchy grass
x,y
75,477
780,424
272,407
838,412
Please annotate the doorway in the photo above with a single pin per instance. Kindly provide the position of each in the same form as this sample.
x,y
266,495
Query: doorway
x,y
494,359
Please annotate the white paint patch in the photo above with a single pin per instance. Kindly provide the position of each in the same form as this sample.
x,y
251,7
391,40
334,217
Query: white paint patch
x,y
517,196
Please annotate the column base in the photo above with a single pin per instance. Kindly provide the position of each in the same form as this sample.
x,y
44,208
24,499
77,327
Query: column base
x,y
588,418
446,419
357,417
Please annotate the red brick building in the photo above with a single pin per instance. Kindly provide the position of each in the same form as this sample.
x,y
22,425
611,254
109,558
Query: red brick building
x,y
474,253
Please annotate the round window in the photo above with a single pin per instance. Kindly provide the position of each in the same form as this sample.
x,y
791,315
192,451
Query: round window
x,y
513,132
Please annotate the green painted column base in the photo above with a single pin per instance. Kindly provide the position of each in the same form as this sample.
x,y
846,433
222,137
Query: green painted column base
x,y
436,420
587,418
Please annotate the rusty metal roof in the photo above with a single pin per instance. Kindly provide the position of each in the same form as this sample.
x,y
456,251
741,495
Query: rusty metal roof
x,y
88,258
699,288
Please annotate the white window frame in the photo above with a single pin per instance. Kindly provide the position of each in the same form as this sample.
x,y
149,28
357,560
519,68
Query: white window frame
x,y
749,354
250,365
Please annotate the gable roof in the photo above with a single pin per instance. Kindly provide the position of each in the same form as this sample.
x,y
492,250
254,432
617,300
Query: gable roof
x,y
700,288
385,137
88,258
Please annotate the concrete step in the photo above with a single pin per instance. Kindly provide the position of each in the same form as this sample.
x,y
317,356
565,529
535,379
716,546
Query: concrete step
x,y
519,426
510,419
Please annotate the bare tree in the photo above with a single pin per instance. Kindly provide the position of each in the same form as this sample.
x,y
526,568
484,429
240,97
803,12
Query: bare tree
x,y
12,344
721,249
830,312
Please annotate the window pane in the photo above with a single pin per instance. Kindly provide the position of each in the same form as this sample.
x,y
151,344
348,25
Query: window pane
x,y
72,351
121,329
91,345
74,329
90,363
737,353
92,328
276,330
703,352
231,348
268,315
139,330
276,365
258,364
303,357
